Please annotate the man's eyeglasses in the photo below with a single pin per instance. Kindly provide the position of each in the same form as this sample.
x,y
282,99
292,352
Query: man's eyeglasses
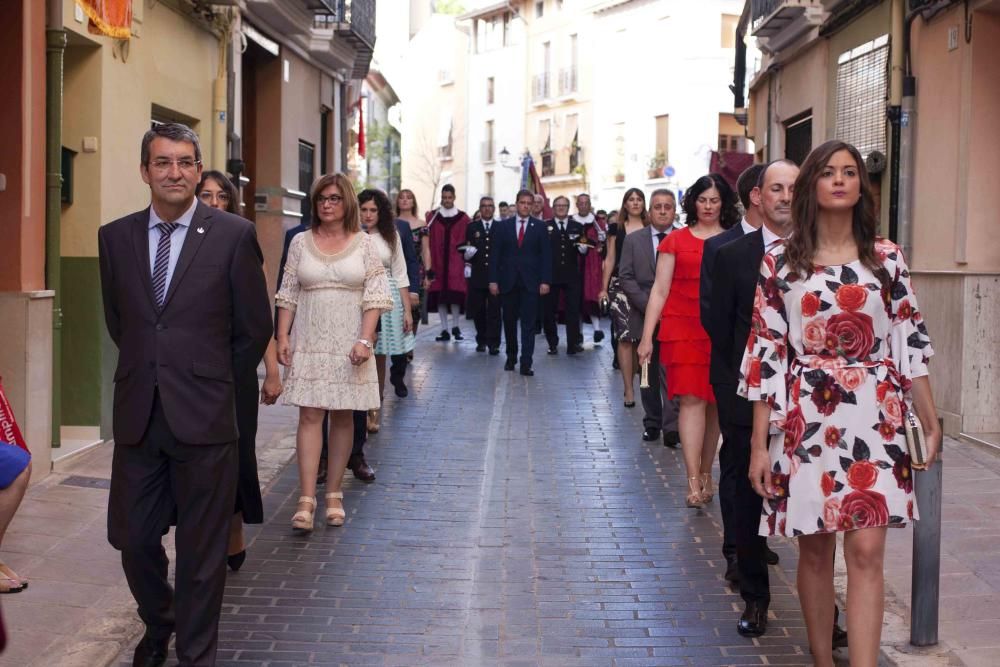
x,y
184,164
209,197
332,199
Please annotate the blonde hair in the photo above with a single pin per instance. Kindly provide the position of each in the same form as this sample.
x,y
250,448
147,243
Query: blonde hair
x,y
352,219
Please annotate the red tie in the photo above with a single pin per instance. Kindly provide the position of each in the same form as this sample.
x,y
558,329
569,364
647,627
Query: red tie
x,y
520,233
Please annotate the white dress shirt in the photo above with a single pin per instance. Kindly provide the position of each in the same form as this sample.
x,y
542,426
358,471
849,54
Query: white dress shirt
x,y
770,238
747,227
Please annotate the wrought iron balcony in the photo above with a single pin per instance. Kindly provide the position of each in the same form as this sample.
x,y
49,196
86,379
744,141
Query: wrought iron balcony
x,y
540,87
567,81
548,163
782,21
352,21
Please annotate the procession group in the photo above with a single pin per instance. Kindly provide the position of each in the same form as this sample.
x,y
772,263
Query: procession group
x,y
790,327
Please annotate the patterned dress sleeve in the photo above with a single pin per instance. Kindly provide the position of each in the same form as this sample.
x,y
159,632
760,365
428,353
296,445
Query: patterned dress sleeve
x,y
909,342
398,265
765,362
288,296
376,294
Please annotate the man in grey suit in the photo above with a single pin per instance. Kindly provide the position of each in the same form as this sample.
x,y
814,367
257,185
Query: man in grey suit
x,y
637,272
186,303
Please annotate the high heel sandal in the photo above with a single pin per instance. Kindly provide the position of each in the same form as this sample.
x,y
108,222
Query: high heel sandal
x,y
707,492
630,404
335,516
694,497
373,424
303,519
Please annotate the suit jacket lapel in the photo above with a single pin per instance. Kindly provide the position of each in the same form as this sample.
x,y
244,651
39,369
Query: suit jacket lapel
x,y
201,220
140,243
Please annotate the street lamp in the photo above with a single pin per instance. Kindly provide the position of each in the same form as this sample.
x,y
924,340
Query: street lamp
x,y
505,160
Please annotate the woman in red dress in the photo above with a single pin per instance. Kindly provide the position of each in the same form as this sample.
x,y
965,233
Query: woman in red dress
x,y
710,206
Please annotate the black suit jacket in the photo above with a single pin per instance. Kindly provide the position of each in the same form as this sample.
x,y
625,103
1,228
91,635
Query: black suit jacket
x,y
565,256
476,236
214,324
409,254
532,261
734,284
712,246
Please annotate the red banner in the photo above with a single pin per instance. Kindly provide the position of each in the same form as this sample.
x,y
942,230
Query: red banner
x,y
361,127
9,432
109,17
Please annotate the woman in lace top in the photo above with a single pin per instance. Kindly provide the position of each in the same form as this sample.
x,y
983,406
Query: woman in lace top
x,y
334,289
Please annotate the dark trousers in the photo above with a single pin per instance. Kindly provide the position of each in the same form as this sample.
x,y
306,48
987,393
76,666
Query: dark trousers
x,y
571,293
741,506
360,432
520,305
151,483
397,367
484,308
658,412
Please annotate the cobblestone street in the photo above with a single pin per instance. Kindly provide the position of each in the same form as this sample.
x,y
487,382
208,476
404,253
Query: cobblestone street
x,y
515,521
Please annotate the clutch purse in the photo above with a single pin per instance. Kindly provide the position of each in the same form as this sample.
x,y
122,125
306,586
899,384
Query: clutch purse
x,y
916,443
644,376
604,307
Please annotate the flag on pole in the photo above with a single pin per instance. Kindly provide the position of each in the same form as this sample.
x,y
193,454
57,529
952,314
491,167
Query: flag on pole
x,y
361,127
531,181
109,17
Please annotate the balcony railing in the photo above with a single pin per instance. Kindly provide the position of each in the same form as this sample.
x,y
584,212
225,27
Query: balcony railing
x,y
540,87
567,81
353,21
548,163
487,151
575,159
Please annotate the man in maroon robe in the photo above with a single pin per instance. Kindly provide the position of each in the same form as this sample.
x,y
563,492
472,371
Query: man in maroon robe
x,y
446,273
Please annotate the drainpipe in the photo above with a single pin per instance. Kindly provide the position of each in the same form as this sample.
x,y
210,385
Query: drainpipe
x,y
895,114
55,47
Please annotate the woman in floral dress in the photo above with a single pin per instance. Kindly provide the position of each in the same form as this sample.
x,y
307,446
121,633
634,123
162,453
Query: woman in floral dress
x,y
837,352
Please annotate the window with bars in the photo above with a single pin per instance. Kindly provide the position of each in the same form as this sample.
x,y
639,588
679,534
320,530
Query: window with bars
x,y
862,90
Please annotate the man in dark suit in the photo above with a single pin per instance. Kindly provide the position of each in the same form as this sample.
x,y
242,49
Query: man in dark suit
x,y
483,307
521,273
565,235
637,272
399,362
727,321
752,220
185,301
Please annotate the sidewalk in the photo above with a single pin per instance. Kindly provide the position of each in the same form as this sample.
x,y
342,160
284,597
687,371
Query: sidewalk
x,y
77,610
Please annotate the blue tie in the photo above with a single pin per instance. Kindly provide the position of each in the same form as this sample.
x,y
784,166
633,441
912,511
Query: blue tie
x,y
162,260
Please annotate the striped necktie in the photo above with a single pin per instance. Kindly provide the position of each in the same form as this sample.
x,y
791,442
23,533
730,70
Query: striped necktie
x,y
162,260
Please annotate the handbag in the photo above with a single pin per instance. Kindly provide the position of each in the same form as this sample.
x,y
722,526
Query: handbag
x,y
916,442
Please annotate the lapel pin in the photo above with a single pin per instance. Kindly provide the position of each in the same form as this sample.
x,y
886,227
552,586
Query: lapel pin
x,y
200,230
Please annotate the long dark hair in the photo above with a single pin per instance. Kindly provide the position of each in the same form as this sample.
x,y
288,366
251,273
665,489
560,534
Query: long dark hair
x,y
623,211
223,182
386,225
800,249
729,214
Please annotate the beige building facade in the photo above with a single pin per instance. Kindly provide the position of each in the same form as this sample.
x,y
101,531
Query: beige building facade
x,y
831,71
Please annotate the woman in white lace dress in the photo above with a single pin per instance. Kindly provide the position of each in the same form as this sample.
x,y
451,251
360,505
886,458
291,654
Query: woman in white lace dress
x,y
334,289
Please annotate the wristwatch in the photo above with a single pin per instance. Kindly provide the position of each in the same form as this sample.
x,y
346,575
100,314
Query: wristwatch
x,y
366,343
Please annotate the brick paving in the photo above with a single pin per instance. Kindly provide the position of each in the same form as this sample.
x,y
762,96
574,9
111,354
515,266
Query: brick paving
x,y
515,521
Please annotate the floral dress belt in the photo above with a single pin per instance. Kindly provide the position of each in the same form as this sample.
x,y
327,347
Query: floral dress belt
x,y
848,375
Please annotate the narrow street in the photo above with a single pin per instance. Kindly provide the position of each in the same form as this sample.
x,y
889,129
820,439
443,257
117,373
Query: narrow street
x,y
515,521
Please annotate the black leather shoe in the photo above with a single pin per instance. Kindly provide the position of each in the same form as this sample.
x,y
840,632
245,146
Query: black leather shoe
x,y
651,434
401,389
839,637
770,556
732,574
150,652
553,349
753,622
509,365
527,371
671,439
480,348
494,351
598,336
443,336
235,561
614,364
456,333
321,473
576,349
361,469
